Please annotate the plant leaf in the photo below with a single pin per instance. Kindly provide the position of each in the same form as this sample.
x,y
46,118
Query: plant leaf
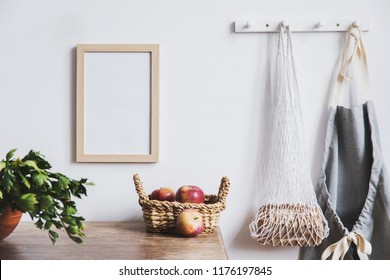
x,y
48,225
8,179
63,182
57,224
32,164
73,229
39,179
10,154
26,202
2,165
68,220
38,158
39,224
76,239
46,202
53,236
24,179
70,210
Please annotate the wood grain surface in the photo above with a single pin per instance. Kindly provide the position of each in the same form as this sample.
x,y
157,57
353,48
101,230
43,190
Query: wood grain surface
x,y
110,240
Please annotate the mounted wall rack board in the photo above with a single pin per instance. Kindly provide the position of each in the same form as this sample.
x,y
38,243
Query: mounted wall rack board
x,y
259,25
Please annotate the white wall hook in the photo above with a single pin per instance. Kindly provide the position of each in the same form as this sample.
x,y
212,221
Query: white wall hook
x,y
248,24
357,23
320,24
284,23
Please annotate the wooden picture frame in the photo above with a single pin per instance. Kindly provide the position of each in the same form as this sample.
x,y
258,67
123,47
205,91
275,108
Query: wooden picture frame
x,y
117,103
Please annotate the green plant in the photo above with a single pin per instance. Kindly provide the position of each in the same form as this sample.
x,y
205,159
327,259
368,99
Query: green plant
x,y
28,185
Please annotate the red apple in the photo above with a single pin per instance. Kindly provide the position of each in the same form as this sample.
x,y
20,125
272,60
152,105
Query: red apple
x,y
163,194
190,194
189,223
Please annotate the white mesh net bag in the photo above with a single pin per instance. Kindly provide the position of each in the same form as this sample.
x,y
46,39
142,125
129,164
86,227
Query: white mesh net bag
x,y
288,213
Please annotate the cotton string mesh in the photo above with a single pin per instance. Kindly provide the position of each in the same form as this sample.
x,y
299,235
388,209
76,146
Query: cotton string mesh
x,y
288,213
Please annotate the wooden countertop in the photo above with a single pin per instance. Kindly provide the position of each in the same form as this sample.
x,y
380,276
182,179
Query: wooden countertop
x,y
110,240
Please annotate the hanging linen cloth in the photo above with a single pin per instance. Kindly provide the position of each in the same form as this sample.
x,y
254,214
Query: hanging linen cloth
x,y
354,188
288,213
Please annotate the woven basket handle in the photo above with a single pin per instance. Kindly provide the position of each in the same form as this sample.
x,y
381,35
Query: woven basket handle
x,y
223,189
138,187
222,193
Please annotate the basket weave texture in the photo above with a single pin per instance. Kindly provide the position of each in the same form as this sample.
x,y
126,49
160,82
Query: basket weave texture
x,y
290,225
160,216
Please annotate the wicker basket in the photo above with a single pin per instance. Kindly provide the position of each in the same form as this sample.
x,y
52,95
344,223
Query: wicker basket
x,y
160,216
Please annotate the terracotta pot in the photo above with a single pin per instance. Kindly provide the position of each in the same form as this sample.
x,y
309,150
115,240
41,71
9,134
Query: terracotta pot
x,y
8,221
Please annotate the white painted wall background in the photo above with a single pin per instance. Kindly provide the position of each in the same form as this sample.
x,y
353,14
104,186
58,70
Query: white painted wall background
x,y
212,92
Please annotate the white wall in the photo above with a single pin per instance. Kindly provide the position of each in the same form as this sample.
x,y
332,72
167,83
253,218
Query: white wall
x,y
212,92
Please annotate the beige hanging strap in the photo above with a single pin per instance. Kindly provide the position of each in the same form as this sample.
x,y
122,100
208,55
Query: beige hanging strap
x,y
349,64
341,247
